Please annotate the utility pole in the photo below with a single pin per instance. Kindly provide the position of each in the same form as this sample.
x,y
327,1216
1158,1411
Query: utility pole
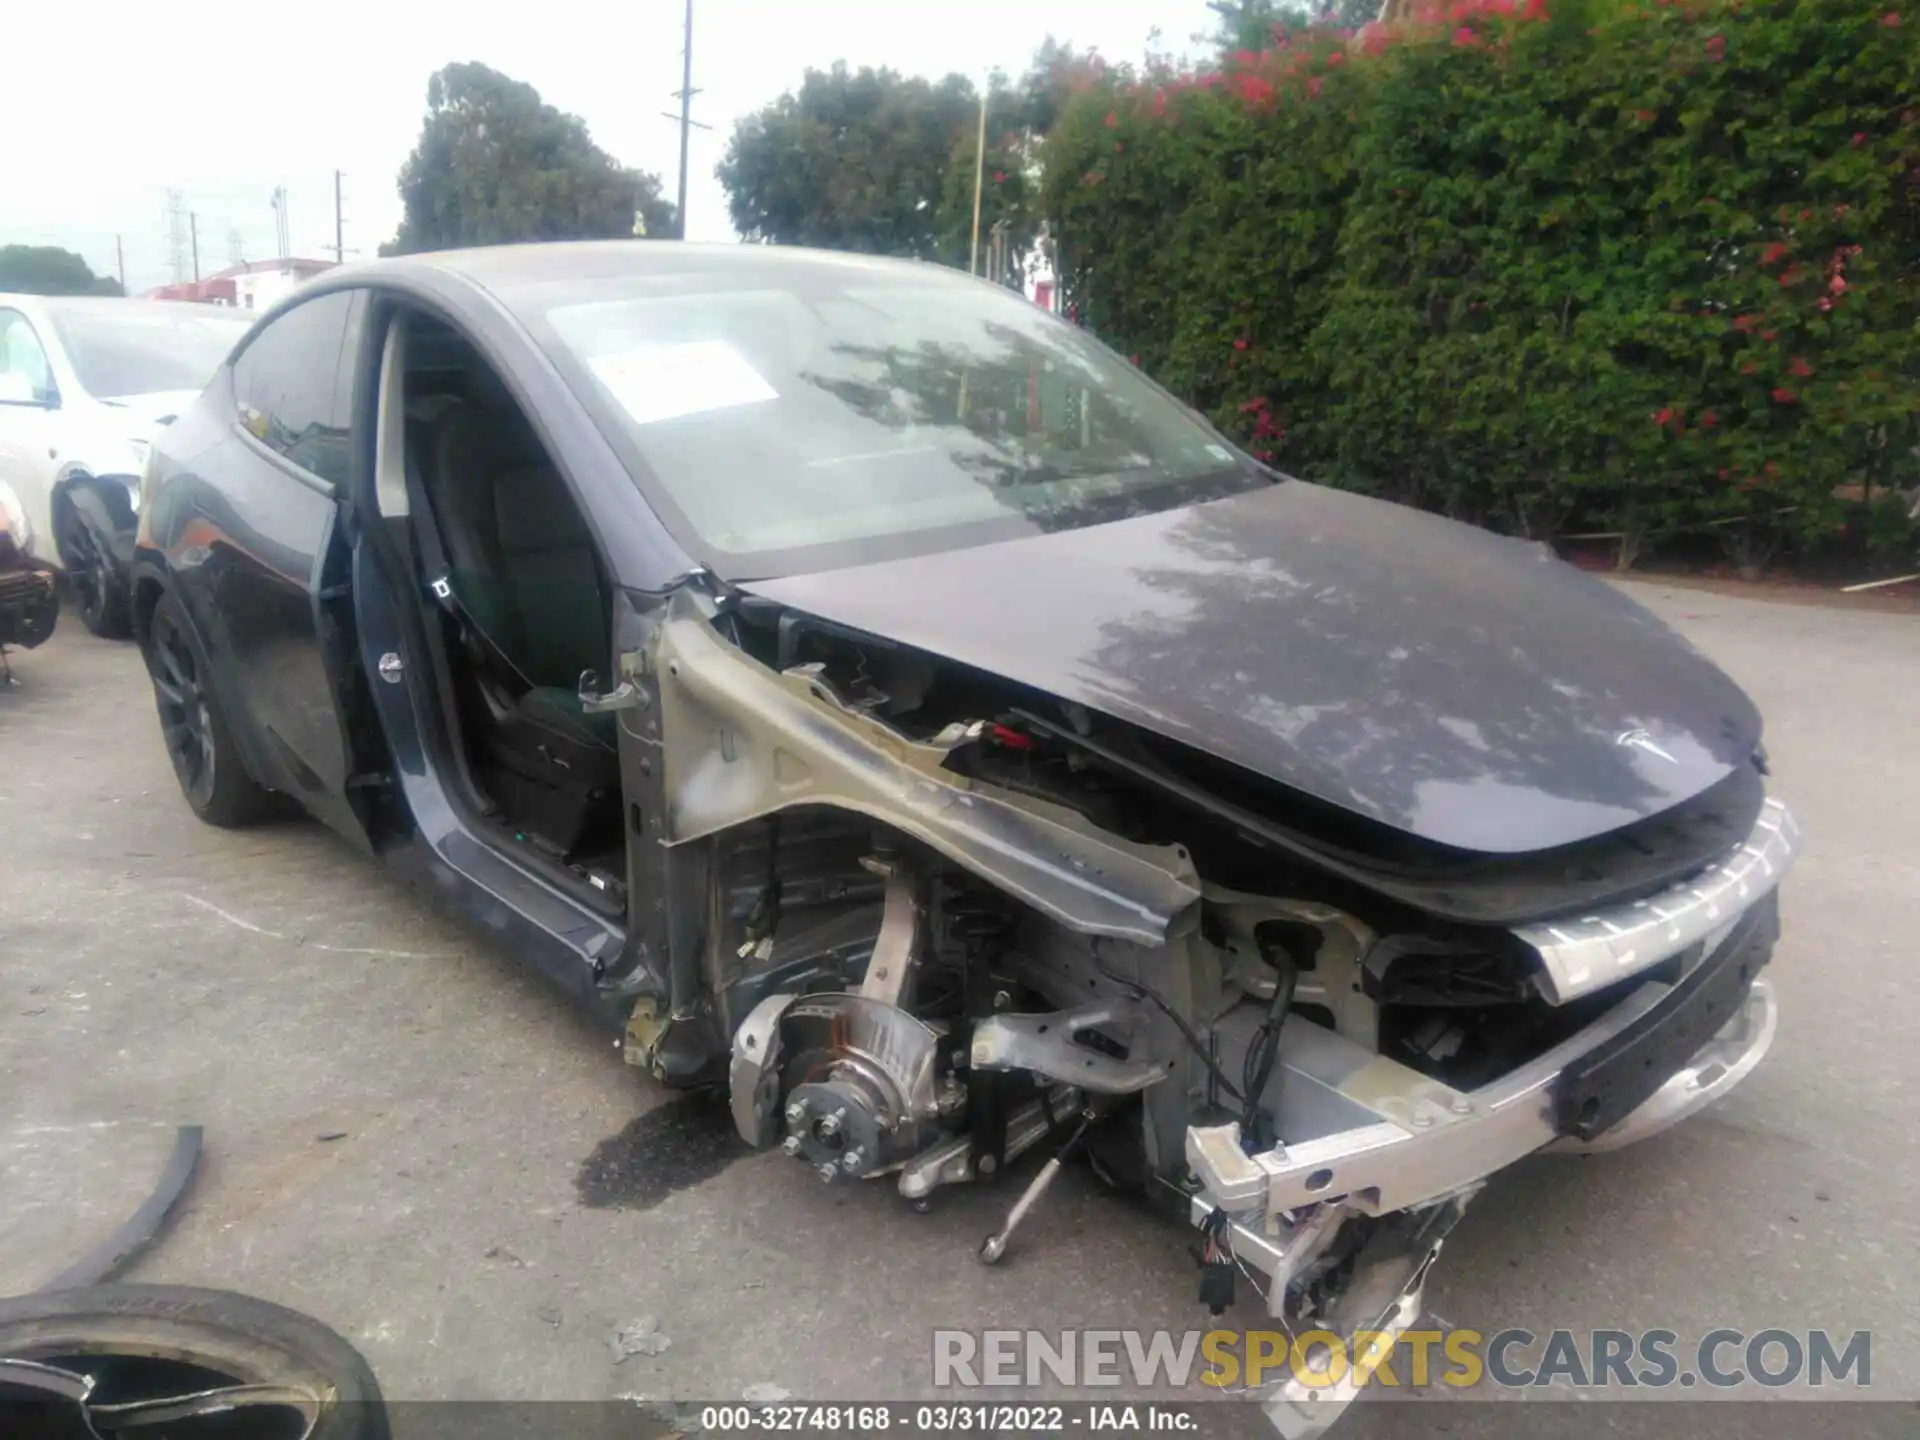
x,y
193,231
176,237
979,174
687,123
120,263
339,225
281,230
686,114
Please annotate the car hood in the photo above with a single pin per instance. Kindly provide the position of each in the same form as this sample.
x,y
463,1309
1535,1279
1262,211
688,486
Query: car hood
x,y
1462,687
111,436
139,416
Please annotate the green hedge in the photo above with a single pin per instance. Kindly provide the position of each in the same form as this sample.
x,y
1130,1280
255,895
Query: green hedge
x,y
1649,269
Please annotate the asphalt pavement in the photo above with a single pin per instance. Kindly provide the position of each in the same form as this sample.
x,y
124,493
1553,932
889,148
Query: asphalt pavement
x,y
412,1139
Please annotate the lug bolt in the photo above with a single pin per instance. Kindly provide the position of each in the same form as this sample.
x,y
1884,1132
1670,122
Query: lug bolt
x,y
852,1161
1462,1107
988,1165
791,1144
831,1125
797,1113
829,1171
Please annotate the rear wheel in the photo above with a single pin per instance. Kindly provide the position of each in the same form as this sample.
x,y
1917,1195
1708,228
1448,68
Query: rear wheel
x,y
99,591
179,1362
206,761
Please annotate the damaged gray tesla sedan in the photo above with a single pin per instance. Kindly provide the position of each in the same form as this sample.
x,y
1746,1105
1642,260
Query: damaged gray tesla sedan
x,y
873,696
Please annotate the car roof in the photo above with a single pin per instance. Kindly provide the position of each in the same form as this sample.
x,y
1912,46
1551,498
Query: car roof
x,y
507,269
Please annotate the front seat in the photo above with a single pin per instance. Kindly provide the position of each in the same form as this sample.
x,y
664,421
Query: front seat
x,y
521,567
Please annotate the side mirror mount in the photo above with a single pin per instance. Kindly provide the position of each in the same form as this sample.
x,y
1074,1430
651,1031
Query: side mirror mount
x,y
17,390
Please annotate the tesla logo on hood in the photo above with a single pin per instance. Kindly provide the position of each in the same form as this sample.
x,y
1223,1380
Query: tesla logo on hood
x,y
1641,740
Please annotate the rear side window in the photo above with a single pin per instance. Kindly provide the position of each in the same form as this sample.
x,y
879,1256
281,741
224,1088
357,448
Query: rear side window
x,y
291,390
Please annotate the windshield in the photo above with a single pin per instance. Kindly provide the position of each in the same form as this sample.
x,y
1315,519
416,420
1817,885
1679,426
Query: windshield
x,y
842,408
144,349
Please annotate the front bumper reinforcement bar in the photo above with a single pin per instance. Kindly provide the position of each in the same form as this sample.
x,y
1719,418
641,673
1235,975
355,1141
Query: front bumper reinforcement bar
x,y
1388,1138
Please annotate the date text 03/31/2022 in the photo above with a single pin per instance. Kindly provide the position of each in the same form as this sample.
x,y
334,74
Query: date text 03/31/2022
x,y
939,1418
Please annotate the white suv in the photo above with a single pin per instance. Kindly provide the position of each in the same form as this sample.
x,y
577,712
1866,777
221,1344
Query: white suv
x,y
84,384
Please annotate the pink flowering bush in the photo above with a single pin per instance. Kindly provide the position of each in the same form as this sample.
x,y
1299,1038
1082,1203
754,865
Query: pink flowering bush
x,y
1546,265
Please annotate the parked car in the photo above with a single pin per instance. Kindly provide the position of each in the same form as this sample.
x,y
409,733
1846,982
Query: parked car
x,y
85,384
871,694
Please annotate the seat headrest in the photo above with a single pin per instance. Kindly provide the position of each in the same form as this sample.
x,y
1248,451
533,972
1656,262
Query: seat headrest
x,y
425,409
496,439
535,513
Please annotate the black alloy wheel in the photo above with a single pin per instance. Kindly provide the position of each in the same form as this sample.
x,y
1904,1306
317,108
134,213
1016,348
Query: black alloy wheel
x,y
99,594
206,761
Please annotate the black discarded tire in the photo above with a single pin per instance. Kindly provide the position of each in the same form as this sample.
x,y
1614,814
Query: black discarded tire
x,y
99,590
148,1344
206,760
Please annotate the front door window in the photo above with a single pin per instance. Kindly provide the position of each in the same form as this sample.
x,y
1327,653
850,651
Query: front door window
x,y
25,376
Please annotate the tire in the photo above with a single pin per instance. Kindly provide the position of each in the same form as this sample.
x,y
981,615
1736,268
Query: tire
x,y
100,596
206,761
157,1331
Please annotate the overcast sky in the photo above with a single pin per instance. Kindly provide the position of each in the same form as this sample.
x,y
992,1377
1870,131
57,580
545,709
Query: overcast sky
x,y
113,102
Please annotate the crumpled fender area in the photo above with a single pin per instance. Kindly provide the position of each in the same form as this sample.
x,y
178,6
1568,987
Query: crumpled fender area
x,y
28,603
743,741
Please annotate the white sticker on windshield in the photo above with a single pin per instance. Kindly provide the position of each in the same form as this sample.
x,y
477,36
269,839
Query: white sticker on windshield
x,y
663,382
1220,453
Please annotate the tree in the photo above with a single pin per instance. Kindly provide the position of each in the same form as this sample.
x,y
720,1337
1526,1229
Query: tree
x,y
1256,24
1351,14
856,160
1253,24
50,270
881,163
1039,94
495,164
